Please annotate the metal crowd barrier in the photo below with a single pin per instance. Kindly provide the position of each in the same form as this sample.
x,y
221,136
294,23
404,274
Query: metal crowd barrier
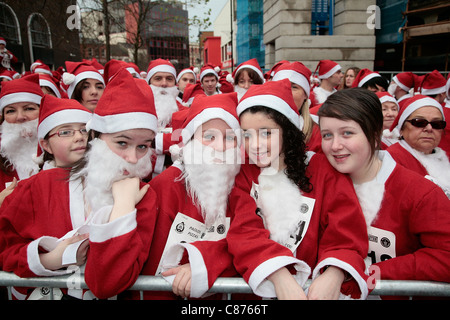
x,y
225,285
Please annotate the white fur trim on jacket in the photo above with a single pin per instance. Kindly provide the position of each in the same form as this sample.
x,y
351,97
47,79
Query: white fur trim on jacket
x,y
265,288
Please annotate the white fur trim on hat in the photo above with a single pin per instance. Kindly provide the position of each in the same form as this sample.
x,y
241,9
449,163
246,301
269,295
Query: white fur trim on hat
x,y
272,102
122,121
330,72
424,102
294,77
367,78
160,68
3,42
206,115
62,117
51,85
432,91
184,72
208,71
387,98
19,97
249,66
82,76
42,70
400,84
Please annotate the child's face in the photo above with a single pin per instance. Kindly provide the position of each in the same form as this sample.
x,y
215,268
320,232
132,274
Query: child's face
x,y
66,149
131,145
263,139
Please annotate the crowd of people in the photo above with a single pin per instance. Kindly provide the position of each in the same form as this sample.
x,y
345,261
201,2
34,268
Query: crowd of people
x,y
277,177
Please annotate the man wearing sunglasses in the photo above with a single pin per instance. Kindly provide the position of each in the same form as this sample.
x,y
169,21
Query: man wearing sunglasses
x,y
421,124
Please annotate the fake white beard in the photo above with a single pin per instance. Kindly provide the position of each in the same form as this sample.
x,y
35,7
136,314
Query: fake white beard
x,y
240,91
103,168
165,104
19,143
209,177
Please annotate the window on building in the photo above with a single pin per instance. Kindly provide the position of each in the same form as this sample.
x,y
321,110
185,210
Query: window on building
x,y
39,30
9,26
322,16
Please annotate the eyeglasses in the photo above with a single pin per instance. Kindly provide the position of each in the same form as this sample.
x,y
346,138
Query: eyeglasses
x,y
422,123
68,133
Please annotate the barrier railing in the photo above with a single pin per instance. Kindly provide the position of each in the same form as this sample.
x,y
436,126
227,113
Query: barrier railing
x,y
224,285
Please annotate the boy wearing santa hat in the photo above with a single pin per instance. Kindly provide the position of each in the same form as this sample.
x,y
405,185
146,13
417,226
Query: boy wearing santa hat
x,y
331,76
192,200
100,199
209,78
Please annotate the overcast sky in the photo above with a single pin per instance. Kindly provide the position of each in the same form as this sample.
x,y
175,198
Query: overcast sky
x,y
215,5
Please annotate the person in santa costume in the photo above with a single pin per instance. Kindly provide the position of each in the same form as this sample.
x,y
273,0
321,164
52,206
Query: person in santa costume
x,y
6,57
185,77
62,132
330,75
189,247
401,86
19,105
370,80
246,74
95,218
390,110
299,76
209,79
407,216
50,85
161,76
294,215
83,83
434,85
419,127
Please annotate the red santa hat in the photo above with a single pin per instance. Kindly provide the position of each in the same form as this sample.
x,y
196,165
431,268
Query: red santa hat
x,y
411,105
363,76
78,71
225,84
447,86
40,67
97,65
190,92
46,80
7,74
160,65
55,112
276,95
432,83
209,69
386,97
249,64
327,68
192,70
113,66
25,89
296,72
2,41
404,80
123,106
269,74
205,108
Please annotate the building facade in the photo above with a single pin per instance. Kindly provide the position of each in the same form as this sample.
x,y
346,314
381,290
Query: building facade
x,y
343,32
39,29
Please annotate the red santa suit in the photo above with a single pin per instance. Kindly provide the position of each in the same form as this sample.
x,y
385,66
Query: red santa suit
x,y
435,166
409,227
331,229
33,218
209,259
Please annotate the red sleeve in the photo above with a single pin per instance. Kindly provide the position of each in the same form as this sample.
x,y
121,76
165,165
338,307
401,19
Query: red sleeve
x,y
114,265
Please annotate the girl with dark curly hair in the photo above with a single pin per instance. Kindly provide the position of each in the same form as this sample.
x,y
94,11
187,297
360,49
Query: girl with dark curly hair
x,y
293,213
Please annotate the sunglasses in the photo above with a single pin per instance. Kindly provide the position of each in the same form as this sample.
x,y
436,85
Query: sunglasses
x,y
422,123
